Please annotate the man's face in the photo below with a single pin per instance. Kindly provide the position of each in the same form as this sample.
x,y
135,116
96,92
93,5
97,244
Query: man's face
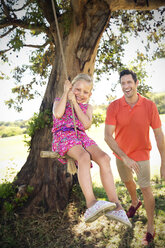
x,y
128,85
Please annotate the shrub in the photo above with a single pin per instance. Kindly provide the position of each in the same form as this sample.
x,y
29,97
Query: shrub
x,y
37,122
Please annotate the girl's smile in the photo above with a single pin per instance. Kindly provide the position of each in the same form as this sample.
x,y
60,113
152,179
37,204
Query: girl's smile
x,y
82,91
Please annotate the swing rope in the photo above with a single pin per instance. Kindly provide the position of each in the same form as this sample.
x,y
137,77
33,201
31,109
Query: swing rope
x,y
63,58
71,167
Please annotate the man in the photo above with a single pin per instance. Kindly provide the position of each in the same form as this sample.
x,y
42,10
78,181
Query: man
x,y
130,118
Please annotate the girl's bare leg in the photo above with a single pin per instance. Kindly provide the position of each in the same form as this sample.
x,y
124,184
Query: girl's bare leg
x,y
84,176
103,160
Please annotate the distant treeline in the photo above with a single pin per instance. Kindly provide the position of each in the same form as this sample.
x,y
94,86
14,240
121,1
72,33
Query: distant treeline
x,y
159,99
8,128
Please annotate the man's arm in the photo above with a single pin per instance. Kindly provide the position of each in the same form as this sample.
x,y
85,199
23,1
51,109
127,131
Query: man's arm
x,y
111,142
160,140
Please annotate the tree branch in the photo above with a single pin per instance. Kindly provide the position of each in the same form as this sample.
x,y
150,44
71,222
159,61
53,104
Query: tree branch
x,y
37,46
5,51
46,7
23,24
11,29
6,9
138,5
26,45
78,5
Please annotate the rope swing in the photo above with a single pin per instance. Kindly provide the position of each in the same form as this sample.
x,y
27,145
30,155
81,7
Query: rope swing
x,y
63,58
71,167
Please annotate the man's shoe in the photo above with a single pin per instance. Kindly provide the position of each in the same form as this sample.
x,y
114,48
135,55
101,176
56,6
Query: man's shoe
x,y
132,210
148,239
98,209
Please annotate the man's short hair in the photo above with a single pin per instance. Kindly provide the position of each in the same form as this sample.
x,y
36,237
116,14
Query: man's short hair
x,y
128,72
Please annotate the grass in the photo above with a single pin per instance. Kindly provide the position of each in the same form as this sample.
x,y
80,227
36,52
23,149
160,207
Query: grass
x,y
67,229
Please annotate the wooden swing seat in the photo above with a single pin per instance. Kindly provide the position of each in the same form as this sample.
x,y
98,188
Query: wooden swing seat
x,y
71,167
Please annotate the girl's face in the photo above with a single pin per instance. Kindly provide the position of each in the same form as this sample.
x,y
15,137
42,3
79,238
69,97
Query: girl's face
x,y
82,90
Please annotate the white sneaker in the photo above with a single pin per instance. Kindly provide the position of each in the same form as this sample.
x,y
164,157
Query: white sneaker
x,y
98,209
120,216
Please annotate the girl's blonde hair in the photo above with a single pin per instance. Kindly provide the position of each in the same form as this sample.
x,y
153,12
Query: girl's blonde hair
x,y
85,77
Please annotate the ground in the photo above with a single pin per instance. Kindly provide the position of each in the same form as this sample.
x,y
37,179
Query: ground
x,y
67,229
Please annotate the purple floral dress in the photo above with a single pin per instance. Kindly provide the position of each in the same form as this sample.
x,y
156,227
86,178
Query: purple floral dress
x,y
64,135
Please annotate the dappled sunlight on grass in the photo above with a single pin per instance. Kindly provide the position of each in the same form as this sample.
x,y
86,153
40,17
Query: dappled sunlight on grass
x,y
67,229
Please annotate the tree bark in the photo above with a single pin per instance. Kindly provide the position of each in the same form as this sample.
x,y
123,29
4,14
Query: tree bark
x,y
89,19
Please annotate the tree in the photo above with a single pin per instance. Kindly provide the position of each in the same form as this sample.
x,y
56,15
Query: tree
x,y
82,24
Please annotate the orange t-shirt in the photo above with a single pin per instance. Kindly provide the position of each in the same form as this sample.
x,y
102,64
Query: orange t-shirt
x,y
132,126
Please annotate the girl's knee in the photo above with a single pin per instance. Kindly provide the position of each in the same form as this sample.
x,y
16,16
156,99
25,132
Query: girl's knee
x,y
84,157
104,159
107,158
104,163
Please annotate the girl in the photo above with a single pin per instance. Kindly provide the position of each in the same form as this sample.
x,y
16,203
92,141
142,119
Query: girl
x,y
83,149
